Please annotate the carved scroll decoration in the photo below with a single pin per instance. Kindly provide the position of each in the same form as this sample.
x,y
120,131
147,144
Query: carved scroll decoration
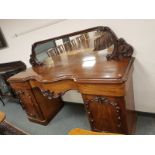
x,y
51,94
33,60
103,100
121,50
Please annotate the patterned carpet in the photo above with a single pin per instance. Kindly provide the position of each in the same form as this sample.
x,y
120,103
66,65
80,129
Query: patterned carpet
x,y
8,129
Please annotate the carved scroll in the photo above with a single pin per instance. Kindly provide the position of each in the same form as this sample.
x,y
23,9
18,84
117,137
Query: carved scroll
x,y
51,94
121,50
33,60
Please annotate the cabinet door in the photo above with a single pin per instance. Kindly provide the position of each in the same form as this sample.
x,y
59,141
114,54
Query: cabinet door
x,y
27,98
105,113
49,106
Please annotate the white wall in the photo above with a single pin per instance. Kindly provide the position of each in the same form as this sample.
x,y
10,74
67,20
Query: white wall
x,y
139,33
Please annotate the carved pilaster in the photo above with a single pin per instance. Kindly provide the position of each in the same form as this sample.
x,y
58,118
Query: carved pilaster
x,y
89,115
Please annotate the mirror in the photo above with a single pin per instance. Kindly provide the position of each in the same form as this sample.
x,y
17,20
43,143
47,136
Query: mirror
x,y
93,39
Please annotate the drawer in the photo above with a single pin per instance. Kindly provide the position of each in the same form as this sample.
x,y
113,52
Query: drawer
x,y
102,89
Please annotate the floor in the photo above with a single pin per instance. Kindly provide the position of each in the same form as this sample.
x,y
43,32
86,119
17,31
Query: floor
x,y
65,120
60,125
145,124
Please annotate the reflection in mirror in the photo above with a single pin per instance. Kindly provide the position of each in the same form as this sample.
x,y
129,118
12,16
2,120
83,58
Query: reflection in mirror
x,y
106,51
93,40
101,40
41,50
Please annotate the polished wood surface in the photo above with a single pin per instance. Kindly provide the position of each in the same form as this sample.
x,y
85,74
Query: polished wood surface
x,y
39,109
103,78
2,116
106,88
79,67
78,131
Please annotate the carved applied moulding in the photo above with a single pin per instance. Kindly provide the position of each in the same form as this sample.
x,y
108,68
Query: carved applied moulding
x,y
33,60
51,94
47,93
121,50
103,100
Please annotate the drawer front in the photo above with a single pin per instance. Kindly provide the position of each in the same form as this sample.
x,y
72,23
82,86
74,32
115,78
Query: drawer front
x,y
102,89
23,85
56,87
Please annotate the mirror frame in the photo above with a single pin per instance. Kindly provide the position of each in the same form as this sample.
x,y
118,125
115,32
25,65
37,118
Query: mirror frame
x,y
121,48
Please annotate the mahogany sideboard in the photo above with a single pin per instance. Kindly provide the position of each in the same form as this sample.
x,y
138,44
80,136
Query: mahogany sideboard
x,y
105,82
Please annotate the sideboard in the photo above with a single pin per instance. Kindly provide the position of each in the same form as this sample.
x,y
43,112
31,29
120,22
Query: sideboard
x,y
102,73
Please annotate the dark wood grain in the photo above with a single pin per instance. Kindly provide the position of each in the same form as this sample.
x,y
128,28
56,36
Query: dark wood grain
x,y
41,88
79,67
103,79
39,108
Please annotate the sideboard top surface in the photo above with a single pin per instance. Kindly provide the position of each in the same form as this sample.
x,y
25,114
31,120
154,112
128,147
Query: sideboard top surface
x,y
90,66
